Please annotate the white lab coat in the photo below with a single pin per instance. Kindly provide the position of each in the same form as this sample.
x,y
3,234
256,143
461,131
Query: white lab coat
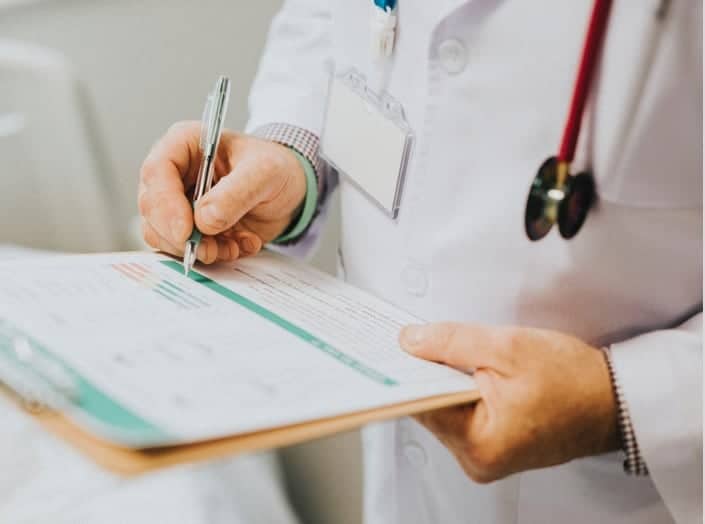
x,y
485,85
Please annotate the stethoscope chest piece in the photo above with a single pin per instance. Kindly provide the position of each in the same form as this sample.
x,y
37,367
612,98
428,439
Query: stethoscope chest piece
x,y
558,197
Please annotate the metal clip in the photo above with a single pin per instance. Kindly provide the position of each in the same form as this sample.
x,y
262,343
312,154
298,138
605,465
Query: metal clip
x,y
40,382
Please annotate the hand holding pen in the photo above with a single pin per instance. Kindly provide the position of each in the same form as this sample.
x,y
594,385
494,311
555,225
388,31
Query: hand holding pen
x,y
257,190
211,127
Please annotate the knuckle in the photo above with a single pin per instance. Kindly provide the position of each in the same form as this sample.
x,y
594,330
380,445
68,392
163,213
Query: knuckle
x,y
180,127
149,236
150,169
144,203
211,253
511,337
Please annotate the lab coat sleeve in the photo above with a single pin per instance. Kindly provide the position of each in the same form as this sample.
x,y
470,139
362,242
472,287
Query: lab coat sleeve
x,y
291,87
661,376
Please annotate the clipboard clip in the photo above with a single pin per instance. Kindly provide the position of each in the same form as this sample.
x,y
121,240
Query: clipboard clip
x,y
41,383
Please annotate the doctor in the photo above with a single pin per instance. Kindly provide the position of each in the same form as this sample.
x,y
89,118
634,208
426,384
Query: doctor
x,y
587,351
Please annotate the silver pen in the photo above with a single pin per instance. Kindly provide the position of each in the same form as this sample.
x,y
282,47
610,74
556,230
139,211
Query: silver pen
x,y
211,128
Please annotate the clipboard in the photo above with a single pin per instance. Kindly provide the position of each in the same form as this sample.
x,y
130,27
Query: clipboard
x,y
138,444
131,462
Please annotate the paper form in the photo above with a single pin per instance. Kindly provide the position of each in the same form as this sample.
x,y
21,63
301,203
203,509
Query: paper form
x,y
255,344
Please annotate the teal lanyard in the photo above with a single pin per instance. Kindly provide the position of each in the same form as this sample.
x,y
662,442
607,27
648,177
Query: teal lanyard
x,y
384,4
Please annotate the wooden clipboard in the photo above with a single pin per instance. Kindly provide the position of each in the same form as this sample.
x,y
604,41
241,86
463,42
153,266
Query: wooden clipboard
x,y
127,462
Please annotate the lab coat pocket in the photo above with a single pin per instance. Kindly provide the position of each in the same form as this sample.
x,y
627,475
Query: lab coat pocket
x,y
646,128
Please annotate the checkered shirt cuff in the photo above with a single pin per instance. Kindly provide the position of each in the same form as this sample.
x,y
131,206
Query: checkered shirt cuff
x,y
304,141
634,463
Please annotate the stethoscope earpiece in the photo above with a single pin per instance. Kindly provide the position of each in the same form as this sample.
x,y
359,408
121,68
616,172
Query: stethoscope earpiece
x,y
557,197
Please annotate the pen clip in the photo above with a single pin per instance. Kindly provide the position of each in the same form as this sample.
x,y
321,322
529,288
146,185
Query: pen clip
x,y
211,129
214,115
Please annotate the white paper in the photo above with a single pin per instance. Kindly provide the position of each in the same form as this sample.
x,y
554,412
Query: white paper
x,y
199,365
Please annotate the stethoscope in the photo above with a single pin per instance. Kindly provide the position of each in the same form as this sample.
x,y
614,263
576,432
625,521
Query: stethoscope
x,y
556,196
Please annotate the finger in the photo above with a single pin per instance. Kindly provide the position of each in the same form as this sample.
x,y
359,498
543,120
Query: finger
x,y
162,201
231,198
178,152
228,250
168,212
457,429
153,239
461,346
450,425
207,251
250,243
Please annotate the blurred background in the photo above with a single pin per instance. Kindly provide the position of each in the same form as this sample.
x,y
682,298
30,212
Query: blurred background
x,y
86,87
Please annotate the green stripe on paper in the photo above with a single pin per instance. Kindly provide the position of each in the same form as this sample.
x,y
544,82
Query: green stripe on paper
x,y
285,324
124,426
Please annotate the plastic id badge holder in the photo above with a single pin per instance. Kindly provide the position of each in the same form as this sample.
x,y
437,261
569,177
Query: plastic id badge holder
x,y
367,139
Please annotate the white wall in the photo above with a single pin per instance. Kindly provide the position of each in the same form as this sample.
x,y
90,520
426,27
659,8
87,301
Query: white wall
x,y
149,63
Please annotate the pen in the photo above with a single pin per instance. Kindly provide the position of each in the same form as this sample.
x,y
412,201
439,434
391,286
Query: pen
x,y
211,128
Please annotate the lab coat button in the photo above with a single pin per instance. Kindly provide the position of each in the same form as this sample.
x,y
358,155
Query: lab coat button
x,y
453,56
415,279
415,454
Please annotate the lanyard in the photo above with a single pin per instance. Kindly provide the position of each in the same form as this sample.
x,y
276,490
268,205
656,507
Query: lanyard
x,y
555,195
385,5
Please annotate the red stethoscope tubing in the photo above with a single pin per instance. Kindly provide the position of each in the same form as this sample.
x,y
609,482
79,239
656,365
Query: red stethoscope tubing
x,y
586,72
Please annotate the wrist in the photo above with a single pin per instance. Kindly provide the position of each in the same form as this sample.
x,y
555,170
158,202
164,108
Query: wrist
x,y
303,144
610,437
304,213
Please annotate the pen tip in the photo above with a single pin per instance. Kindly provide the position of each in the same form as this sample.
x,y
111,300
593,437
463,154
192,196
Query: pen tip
x,y
189,256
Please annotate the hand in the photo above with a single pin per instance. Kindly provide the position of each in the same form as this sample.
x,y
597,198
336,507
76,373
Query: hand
x,y
546,398
258,188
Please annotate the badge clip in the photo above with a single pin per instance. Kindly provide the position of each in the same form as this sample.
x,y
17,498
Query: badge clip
x,y
383,23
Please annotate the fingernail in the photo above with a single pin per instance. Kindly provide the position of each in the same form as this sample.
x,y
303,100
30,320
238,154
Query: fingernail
x,y
177,228
248,245
211,214
413,337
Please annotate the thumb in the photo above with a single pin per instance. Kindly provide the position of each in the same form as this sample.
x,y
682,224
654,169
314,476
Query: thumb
x,y
231,198
462,346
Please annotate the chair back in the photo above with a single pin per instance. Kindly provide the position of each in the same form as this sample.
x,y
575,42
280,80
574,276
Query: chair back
x,y
54,183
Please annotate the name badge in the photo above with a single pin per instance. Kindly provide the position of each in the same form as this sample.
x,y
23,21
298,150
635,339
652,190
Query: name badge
x,y
367,139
